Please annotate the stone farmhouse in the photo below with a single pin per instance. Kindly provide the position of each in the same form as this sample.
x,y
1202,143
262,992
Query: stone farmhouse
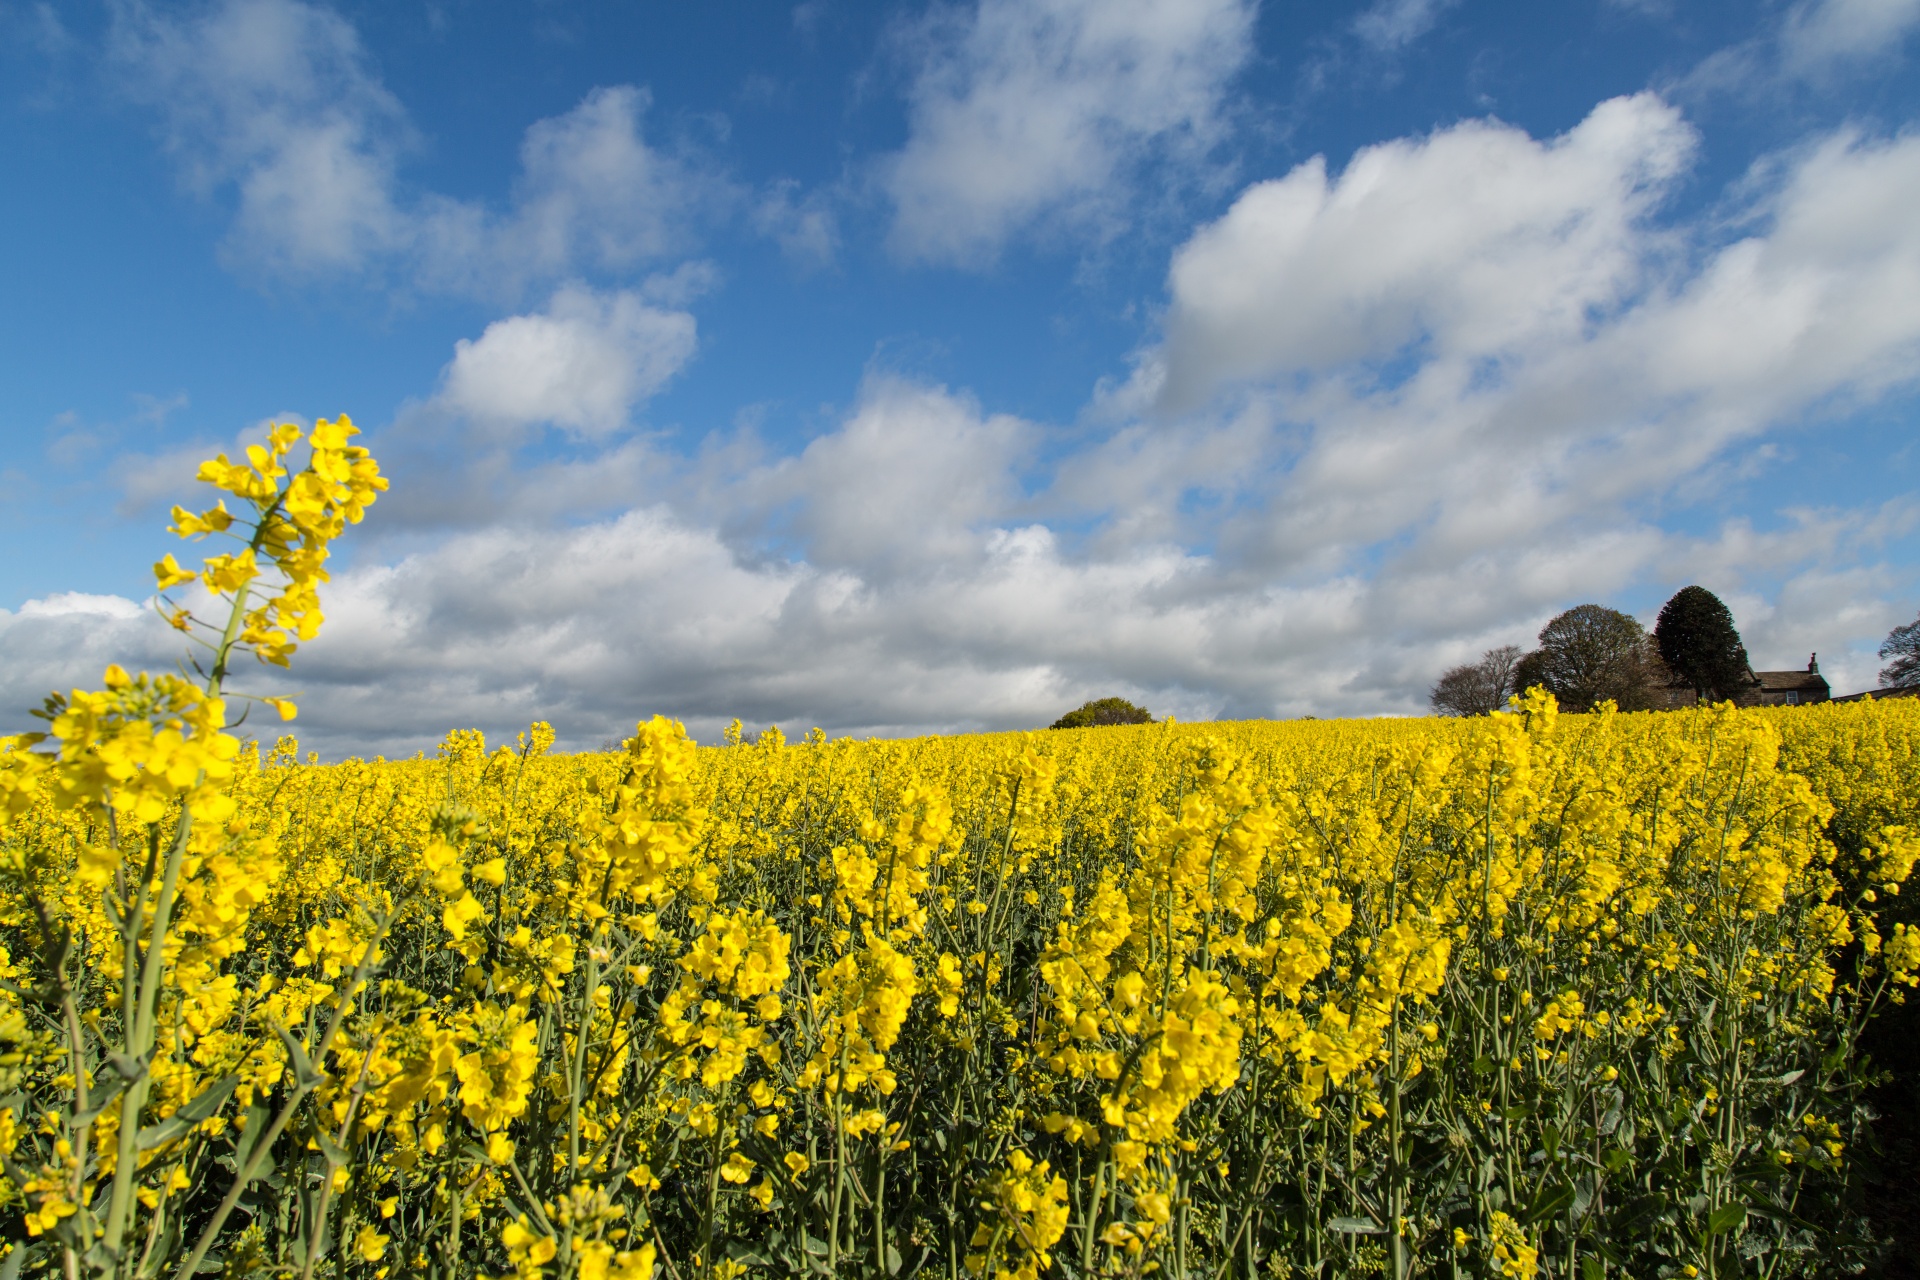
x,y
1766,689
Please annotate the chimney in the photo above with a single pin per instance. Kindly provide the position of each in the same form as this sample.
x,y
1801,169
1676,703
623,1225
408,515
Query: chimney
x,y
1813,664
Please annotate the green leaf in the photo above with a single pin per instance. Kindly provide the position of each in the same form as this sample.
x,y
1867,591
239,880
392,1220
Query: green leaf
x,y
1549,1202
1590,1269
1356,1227
1777,1214
304,1072
1641,1208
127,1068
210,1100
1726,1218
331,1150
106,1099
747,1257
98,1256
248,1134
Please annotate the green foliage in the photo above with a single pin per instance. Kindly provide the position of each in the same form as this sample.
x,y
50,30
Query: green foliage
x,y
1697,639
1592,654
1101,711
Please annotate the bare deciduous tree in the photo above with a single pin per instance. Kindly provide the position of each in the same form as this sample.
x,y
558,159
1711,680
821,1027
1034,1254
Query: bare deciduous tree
x,y
1478,688
1903,646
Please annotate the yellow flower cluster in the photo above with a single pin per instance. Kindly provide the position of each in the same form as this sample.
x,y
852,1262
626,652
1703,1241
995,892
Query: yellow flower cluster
x,y
297,514
1027,1204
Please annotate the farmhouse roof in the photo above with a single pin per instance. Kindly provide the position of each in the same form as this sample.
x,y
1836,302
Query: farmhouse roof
x,y
1782,681
1907,691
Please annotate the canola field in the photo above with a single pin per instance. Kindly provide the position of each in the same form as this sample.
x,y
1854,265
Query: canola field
x,y
1528,995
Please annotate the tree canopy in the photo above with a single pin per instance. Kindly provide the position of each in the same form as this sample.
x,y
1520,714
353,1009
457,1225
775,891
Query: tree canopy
x,y
1592,653
1477,688
1101,711
1903,646
1697,640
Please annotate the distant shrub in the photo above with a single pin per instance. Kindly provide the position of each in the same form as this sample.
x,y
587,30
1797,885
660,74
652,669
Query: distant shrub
x,y
1104,711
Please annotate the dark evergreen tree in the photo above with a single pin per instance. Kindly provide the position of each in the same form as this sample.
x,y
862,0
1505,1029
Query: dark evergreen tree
x,y
1698,642
1104,711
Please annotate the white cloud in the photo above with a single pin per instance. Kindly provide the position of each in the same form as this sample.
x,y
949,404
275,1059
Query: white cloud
x,y
804,226
592,194
1041,109
80,604
1820,34
1818,42
590,178
908,483
1477,340
1474,240
1826,299
65,641
585,363
1471,366
278,100
1394,24
1513,364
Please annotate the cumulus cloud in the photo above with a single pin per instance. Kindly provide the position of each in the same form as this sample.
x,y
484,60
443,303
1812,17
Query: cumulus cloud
x,y
1043,109
65,641
906,484
592,194
1471,367
1472,240
1479,336
278,100
584,363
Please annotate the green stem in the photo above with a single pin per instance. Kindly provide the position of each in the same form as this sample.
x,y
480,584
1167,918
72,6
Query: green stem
x,y
258,1155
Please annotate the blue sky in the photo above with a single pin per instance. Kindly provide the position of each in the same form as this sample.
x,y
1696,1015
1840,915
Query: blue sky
x,y
908,367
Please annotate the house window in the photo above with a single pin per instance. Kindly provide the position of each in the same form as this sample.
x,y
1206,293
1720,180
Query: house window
x,y
1793,697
